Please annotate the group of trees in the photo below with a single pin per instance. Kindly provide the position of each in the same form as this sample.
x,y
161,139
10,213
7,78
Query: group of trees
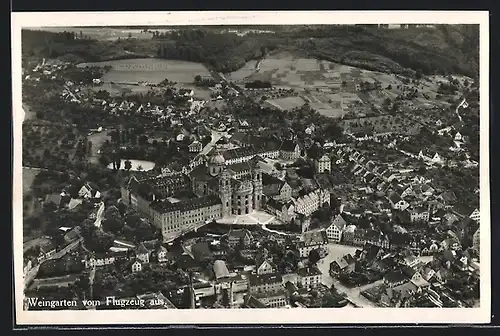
x,y
129,225
258,84
224,51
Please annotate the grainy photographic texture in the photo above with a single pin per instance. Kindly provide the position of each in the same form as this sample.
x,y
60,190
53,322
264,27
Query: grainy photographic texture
x,y
302,166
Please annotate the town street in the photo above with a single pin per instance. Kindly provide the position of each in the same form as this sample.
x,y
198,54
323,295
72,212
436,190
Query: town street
x,y
353,294
100,215
216,135
33,272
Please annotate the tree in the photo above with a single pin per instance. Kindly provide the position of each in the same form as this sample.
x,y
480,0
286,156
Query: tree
x,y
389,87
104,160
128,165
225,298
313,257
197,78
112,224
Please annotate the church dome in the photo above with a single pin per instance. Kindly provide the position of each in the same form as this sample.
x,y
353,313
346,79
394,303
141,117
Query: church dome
x,y
216,158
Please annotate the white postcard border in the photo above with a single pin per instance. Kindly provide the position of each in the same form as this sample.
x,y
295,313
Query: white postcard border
x,y
254,316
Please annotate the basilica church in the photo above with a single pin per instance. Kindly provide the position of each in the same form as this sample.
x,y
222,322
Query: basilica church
x,y
239,186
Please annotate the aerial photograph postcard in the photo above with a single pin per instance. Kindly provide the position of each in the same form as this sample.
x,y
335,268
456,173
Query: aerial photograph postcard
x,y
233,162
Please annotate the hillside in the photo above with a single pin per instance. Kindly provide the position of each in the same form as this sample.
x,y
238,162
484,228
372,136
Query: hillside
x,y
441,50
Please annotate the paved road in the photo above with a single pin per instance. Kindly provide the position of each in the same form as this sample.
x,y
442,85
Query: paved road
x,y
459,106
100,215
33,272
335,251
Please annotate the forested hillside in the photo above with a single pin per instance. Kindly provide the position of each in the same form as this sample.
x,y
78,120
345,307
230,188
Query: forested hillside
x,y
444,49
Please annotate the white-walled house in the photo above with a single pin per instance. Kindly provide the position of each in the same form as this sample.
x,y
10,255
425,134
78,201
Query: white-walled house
x,y
336,229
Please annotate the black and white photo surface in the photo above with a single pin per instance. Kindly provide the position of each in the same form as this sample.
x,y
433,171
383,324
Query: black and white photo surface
x,y
233,162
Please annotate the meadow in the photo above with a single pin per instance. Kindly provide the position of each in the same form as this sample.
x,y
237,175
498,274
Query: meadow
x,y
150,70
102,33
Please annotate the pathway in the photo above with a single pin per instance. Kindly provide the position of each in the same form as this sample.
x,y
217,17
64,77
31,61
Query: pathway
x,y
459,106
100,215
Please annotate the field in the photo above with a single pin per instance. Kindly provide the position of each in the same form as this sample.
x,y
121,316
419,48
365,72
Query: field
x,y
127,74
334,89
150,70
287,103
102,33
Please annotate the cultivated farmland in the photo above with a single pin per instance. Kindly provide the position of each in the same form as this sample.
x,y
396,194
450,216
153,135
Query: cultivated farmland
x,y
150,70
333,89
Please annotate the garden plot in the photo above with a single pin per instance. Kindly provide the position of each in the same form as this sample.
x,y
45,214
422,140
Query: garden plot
x,y
246,71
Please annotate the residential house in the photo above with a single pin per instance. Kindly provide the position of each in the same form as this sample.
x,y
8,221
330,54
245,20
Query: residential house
x,y
265,283
397,202
46,251
289,150
241,237
195,147
97,261
266,267
250,301
312,240
475,240
451,244
395,278
27,266
72,234
475,215
419,214
323,164
428,273
275,188
462,263
162,254
136,266
283,211
362,237
273,300
312,201
142,253
89,190
415,277
335,230
345,264
309,277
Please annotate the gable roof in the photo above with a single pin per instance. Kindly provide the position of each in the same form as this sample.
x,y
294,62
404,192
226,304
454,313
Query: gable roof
x,y
257,280
394,197
315,238
220,269
308,271
288,145
339,222
141,249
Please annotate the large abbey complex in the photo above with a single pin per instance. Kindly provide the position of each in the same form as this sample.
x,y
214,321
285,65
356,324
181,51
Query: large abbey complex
x,y
222,190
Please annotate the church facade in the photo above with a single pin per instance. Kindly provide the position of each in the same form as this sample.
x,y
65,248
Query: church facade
x,y
239,186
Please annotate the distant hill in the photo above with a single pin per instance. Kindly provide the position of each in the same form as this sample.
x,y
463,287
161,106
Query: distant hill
x,y
444,49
